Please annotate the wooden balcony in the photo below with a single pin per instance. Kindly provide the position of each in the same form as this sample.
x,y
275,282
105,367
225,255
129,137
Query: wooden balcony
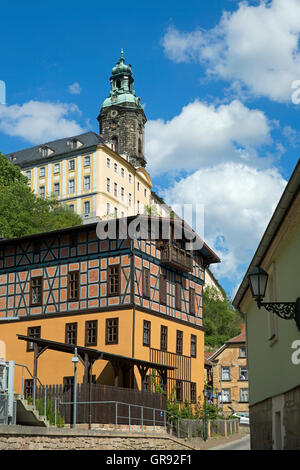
x,y
175,257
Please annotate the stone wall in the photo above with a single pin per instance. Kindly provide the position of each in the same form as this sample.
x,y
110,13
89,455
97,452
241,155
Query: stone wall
x,y
261,425
291,419
33,438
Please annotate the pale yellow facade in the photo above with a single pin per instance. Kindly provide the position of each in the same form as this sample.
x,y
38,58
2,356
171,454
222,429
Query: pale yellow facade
x,y
97,183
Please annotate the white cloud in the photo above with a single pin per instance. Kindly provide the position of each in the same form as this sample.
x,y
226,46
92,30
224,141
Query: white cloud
x,y
75,89
37,121
205,134
255,46
238,203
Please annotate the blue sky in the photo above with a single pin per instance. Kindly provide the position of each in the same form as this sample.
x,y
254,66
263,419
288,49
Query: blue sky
x,y
215,78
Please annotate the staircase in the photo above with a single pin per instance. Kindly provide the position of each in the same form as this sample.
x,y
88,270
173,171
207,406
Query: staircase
x,y
27,414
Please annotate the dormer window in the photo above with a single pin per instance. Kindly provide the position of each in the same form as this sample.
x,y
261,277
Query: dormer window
x,y
74,144
45,151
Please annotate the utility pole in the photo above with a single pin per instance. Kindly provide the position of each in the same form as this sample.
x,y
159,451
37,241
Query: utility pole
x,y
75,360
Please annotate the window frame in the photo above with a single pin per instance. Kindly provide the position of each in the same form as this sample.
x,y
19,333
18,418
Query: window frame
x,y
107,328
71,332
195,343
146,283
70,281
179,342
95,333
164,338
40,303
163,289
192,301
111,293
30,348
147,333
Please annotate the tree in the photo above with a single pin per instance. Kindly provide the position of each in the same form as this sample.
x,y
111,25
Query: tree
x,y
221,321
22,212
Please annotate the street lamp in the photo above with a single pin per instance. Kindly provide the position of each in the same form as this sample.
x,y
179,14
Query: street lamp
x,y
205,415
258,279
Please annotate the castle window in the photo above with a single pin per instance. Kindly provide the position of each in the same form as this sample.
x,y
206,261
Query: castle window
x,y
56,189
42,172
115,144
87,161
42,191
86,207
71,165
87,183
56,168
71,186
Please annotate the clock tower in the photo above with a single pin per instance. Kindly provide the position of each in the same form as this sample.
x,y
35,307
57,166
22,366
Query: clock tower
x,y
122,118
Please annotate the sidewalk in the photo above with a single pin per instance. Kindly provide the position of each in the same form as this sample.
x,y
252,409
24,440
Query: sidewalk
x,y
200,444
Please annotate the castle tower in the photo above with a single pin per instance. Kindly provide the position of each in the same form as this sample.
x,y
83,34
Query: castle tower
x,y
122,119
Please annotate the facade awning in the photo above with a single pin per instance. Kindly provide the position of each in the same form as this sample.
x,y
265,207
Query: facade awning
x,y
88,356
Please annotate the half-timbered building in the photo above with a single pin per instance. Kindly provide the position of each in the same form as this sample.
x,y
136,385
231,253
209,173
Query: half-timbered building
x,y
137,302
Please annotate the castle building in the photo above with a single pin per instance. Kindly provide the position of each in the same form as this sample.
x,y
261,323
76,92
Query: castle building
x,y
97,175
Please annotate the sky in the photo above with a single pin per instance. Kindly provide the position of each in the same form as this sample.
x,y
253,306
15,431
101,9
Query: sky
x,y
219,81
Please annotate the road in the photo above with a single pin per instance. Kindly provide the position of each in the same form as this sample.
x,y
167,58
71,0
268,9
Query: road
x,y
240,444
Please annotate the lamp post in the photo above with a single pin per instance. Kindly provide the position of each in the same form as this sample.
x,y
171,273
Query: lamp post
x,y
205,415
75,361
258,279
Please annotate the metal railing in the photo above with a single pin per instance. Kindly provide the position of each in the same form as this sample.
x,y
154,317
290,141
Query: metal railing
x,y
35,380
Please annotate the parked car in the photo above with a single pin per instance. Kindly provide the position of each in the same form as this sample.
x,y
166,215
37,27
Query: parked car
x,y
244,419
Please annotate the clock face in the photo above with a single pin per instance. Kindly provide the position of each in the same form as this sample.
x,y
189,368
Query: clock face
x,y
114,113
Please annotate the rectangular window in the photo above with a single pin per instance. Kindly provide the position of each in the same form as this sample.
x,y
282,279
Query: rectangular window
x,y
146,385
42,172
129,199
122,172
86,207
116,212
193,392
71,333
112,331
243,373
122,194
87,161
130,178
162,289
243,352
193,346
114,280
91,328
87,183
34,332
225,397
28,174
179,342
226,373
146,333
56,189
178,296
71,165
145,192
56,168
108,185
36,291
28,388
192,301
71,207
73,285
116,190
164,338
138,186
179,394
108,162
71,186
42,191
115,168
244,395
107,208
146,283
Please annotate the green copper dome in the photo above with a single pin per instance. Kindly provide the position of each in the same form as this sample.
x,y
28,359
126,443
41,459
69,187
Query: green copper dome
x,y
121,82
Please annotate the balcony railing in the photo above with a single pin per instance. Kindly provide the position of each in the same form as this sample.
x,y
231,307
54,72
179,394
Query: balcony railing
x,y
175,257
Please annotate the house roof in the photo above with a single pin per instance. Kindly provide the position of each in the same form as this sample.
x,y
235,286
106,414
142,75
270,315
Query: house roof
x,y
58,147
286,200
241,338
